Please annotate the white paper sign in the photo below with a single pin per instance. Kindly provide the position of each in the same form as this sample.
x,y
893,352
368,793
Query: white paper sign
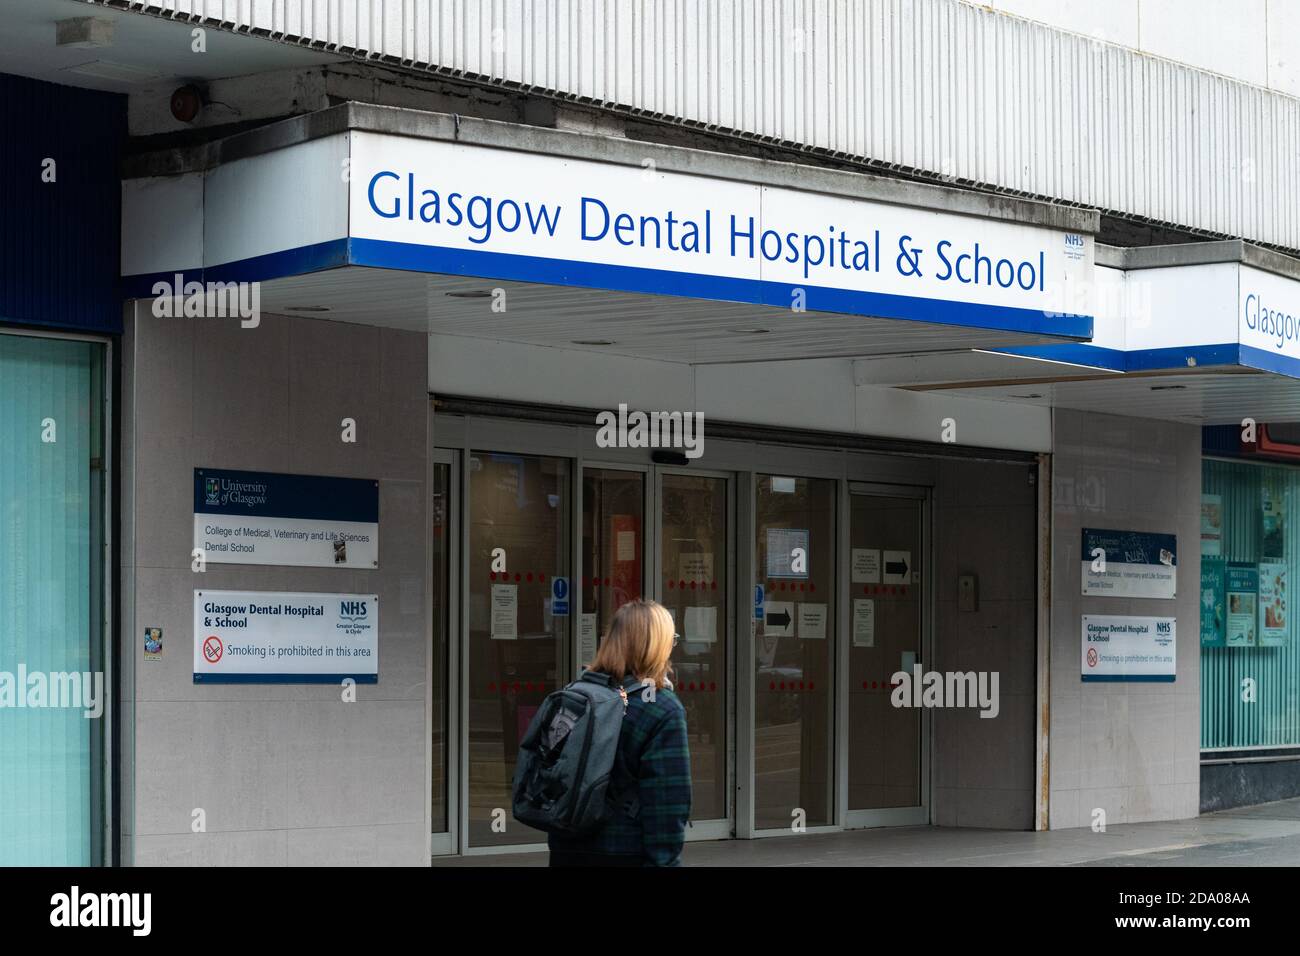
x,y
866,566
285,637
505,612
864,622
696,567
587,642
701,624
812,621
625,547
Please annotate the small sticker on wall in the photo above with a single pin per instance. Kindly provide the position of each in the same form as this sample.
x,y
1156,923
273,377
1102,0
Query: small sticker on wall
x,y
153,645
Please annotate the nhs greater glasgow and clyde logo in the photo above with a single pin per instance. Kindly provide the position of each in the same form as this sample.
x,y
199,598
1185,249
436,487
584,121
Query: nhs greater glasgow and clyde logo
x,y
352,611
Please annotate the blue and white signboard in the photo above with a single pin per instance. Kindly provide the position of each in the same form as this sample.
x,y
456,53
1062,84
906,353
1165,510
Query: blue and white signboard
x,y
1129,564
455,208
560,597
254,517
275,637
1123,648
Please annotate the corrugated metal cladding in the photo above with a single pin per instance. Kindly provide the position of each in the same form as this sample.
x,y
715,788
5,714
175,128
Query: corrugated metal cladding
x,y
936,85
59,240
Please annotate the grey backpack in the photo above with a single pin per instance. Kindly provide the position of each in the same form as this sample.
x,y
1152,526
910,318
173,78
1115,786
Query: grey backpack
x,y
568,779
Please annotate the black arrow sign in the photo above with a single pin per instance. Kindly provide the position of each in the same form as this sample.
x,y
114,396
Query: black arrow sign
x,y
781,620
896,567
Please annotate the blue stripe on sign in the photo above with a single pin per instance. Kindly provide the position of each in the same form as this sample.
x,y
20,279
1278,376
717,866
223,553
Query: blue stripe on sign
x,y
284,678
1142,360
1270,361
413,257
1075,353
274,265
1137,678
287,496
1185,356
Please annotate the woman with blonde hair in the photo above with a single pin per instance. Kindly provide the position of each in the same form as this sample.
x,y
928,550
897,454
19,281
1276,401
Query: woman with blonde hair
x,y
653,760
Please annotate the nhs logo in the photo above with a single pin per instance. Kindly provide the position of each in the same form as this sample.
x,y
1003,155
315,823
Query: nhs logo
x,y
1163,627
1073,246
352,610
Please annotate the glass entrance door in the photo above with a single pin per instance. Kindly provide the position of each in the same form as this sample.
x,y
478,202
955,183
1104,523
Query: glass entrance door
x,y
794,644
695,554
613,519
444,528
887,626
519,541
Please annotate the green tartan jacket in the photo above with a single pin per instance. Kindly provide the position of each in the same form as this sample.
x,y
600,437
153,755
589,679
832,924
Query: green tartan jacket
x,y
653,750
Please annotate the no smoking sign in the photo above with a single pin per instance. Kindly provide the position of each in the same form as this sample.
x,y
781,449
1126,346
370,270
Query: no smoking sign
x,y
213,649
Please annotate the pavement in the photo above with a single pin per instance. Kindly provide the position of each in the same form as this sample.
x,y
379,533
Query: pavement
x,y
1264,835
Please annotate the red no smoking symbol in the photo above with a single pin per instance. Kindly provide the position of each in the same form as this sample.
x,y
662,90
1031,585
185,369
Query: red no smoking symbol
x,y
213,649
1092,657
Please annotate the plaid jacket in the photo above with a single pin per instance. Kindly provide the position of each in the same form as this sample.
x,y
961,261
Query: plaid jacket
x,y
652,749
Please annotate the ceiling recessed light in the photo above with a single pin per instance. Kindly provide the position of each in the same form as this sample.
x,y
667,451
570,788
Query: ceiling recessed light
x,y
470,294
592,342
117,72
750,331
306,308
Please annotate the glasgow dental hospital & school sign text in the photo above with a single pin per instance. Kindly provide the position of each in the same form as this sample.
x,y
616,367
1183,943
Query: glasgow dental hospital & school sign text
x,y
435,206
261,518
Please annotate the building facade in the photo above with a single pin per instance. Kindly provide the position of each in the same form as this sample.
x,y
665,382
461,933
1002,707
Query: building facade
x,y
362,361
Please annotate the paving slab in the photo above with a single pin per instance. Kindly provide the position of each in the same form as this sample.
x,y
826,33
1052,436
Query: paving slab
x,y
1267,835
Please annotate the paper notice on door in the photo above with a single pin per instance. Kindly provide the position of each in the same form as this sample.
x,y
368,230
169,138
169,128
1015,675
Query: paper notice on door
x,y
864,622
586,639
625,546
701,625
812,622
505,612
696,567
866,565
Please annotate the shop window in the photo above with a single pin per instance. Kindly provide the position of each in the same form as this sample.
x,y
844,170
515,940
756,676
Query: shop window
x,y
1250,659
54,695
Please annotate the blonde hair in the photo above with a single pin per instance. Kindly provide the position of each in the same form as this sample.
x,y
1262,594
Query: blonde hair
x,y
639,642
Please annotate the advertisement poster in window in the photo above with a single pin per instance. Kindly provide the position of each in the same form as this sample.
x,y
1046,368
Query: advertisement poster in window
x,y
1273,529
1212,524
1272,604
1243,592
1214,621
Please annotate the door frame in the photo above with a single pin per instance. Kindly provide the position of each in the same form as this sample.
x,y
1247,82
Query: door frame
x,y
892,816
746,828
740,464
449,841
721,828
